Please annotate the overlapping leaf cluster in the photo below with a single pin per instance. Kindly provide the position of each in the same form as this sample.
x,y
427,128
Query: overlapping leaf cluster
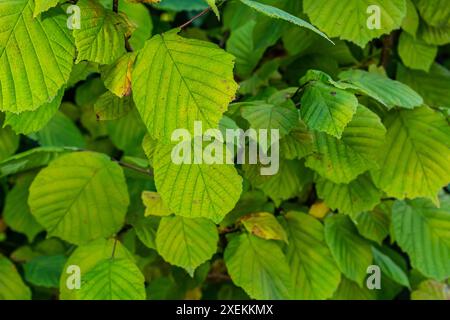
x,y
87,177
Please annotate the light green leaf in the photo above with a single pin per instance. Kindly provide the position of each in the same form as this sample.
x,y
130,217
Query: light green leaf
x,y
87,257
341,161
390,268
388,92
139,16
411,22
213,5
414,159
200,72
31,121
36,56
80,197
44,5
196,190
431,290
117,76
259,267
265,226
9,142
113,279
423,231
316,275
101,37
434,86
276,13
186,242
154,205
11,284
326,108
16,212
349,20
353,198
45,271
352,252
415,53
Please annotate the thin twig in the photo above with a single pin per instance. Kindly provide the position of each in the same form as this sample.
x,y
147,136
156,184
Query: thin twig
x,y
184,25
114,249
135,168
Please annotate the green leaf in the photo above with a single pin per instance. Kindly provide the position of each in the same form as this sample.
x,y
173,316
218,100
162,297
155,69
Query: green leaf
x,y
87,257
316,275
431,290
139,16
349,290
213,5
186,242
326,108
111,107
117,76
262,115
374,225
45,271
32,121
9,142
287,183
413,161
180,5
36,56
44,5
438,36
353,198
276,13
11,284
154,205
265,226
423,231
196,190
388,92
298,143
31,159
242,45
199,72
434,86
60,193
390,268
411,22
349,20
415,53
351,252
435,12
146,228
101,37
59,132
113,279
16,212
341,161
259,267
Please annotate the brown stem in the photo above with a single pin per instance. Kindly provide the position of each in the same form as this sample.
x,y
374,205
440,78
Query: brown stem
x,y
115,6
135,168
184,25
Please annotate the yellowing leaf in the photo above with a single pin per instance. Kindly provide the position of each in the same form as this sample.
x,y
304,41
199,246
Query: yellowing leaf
x,y
154,205
264,225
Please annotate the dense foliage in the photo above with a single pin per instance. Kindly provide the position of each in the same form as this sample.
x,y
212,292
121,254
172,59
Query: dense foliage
x,y
358,90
